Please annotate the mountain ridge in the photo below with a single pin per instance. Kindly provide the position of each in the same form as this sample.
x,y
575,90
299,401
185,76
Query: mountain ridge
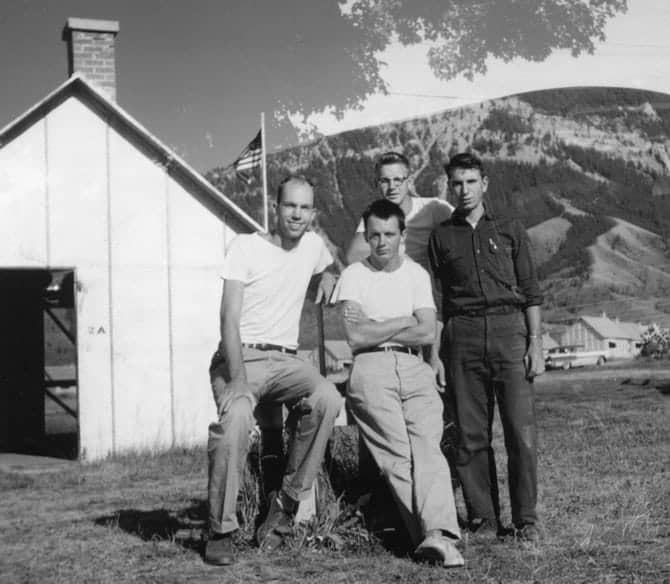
x,y
583,159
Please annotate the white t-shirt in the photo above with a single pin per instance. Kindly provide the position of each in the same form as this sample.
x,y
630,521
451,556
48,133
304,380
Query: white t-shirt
x,y
384,295
275,282
424,216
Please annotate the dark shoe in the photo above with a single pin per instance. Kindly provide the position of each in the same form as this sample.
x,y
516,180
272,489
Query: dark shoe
x,y
528,532
219,549
277,525
489,528
482,526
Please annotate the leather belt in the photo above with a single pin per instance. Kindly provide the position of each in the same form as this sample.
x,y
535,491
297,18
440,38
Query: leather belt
x,y
270,347
395,348
489,310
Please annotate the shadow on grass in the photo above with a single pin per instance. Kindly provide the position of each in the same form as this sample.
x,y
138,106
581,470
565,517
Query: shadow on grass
x,y
184,526
661,385
356,481
352,496
664,389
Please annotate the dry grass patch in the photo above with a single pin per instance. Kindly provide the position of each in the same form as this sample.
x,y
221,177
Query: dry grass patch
x,y
604,502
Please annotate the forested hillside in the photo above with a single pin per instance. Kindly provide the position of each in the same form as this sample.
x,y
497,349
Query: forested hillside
x,y
589,155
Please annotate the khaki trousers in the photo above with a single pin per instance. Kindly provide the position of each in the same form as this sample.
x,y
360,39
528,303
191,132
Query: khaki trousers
x,y
394,401
275,378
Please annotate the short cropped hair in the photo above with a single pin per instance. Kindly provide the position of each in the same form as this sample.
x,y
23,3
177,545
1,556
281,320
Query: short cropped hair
x,y
466,161
384,209
391,158
297,178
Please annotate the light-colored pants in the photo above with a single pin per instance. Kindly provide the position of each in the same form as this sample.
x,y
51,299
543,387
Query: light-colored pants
x,y
394,400
275,378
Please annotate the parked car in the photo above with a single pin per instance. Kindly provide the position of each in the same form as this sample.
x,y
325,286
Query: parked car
x,y
568,356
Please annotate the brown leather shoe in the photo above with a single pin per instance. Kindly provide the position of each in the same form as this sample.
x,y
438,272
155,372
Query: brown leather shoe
x,y
219,549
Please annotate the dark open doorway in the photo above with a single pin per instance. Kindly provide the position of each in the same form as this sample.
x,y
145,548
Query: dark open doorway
x,y
38,363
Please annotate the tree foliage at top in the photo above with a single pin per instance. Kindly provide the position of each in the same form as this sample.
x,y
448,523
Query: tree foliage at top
x,y
467,33
345,38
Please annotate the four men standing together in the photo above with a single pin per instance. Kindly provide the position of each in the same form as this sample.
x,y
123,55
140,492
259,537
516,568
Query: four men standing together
x,y
489,350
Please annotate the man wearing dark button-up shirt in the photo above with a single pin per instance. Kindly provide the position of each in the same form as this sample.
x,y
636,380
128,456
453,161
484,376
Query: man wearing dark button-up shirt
x,y
491,346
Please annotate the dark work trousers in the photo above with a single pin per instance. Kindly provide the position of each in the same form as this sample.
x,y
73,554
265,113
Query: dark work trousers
x,y
483,357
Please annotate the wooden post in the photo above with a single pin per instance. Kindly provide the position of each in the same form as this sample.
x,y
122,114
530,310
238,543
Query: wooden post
x,y
321,337
264,175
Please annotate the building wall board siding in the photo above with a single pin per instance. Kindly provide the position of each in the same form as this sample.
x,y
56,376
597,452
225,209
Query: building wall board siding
x,y
23,200
78,234
78,186
94,365
580,334
197,246
147,251
139,296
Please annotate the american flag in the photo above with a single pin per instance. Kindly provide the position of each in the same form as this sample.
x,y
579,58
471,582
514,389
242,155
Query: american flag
x,y
249,158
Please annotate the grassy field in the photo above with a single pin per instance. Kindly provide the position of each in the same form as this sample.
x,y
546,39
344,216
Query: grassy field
x,y
604,503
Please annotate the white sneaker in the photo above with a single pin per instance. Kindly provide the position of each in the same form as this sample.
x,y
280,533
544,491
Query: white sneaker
x,y
438,549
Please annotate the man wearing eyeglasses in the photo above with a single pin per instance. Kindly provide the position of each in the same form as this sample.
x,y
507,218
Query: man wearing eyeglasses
x,y
265,278
422,214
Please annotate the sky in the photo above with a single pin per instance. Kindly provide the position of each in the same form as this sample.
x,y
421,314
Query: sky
x,y
197,74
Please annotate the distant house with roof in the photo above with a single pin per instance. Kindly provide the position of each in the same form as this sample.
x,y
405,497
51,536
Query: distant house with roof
x,y
548,342
89,192
600,333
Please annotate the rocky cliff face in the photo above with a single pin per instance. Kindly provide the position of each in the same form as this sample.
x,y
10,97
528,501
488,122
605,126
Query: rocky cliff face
x,y
587,170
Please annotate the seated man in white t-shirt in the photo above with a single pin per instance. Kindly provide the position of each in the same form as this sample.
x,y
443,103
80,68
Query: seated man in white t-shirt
x,y
265,278
389,313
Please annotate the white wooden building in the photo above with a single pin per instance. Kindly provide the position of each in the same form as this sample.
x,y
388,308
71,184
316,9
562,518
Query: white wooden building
x,y
85,187
548,342
622,340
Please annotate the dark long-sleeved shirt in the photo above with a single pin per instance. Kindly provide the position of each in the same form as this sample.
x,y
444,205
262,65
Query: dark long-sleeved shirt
x,y
483,268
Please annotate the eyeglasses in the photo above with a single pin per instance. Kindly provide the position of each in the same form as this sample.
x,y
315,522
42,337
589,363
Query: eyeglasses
x,y
395,181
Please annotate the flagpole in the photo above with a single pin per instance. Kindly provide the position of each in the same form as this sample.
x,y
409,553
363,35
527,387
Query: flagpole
x,y
264,173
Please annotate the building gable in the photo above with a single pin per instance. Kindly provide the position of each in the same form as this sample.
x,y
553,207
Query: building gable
x,y
193,182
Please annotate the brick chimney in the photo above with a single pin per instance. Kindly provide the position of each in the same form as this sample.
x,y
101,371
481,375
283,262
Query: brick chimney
x,y
91,51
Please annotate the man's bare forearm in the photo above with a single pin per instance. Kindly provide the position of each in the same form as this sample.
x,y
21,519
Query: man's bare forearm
x,y
533,322
437,341
232,349
421,334
370,333
229,323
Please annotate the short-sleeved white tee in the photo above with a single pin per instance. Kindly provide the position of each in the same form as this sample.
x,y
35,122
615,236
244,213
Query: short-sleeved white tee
x,y
424,216
384,295
275,282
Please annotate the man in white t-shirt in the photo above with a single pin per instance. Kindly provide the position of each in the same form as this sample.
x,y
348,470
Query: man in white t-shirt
x,y
422,215
265,278
389,313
